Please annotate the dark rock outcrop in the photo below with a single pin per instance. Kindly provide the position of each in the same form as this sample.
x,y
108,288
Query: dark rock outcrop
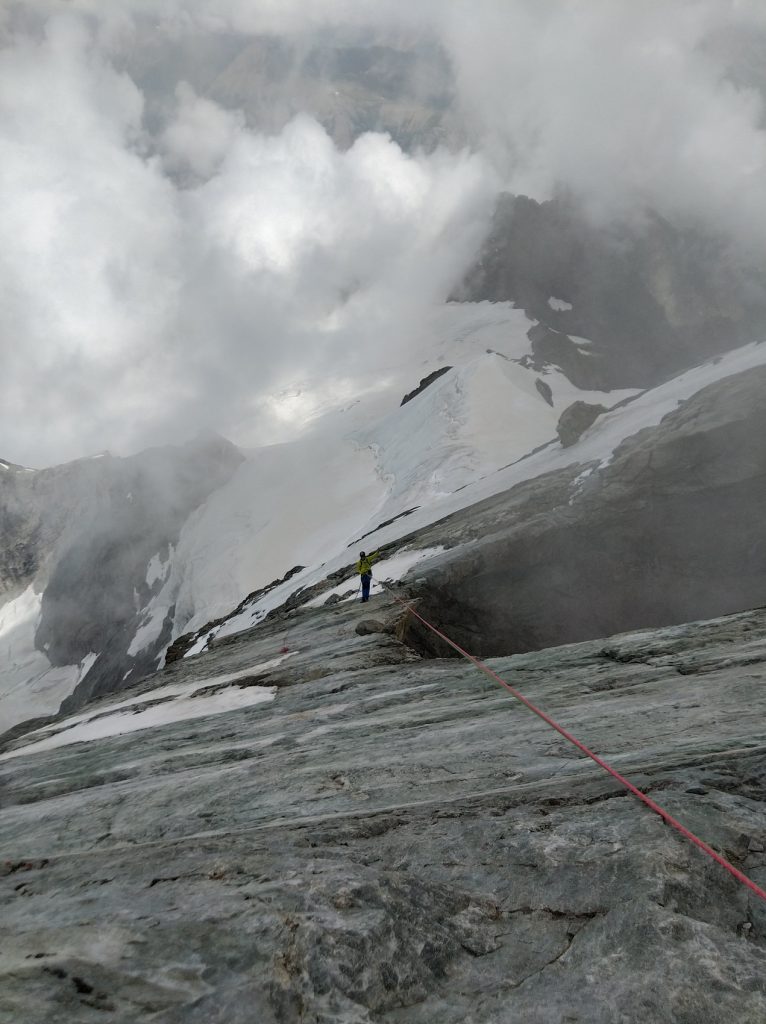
x,y
424,384
545,390
183,644
575,420
582,366
366,627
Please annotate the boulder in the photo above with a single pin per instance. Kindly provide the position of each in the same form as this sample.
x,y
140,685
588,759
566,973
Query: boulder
x,y
366,627
575,420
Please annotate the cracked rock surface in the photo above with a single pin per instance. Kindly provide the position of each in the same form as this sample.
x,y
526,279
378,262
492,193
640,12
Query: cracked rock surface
x,y
396,839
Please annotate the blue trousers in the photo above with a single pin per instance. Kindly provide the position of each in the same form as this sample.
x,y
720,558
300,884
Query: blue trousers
x,y
366,580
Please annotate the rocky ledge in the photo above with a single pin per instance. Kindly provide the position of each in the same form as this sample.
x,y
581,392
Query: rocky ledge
x,y
394,838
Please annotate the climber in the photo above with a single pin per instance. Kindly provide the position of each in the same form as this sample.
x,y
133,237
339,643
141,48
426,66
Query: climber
x,y
364,568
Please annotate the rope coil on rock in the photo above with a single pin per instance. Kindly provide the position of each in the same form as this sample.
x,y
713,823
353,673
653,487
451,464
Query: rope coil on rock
x,y
665,815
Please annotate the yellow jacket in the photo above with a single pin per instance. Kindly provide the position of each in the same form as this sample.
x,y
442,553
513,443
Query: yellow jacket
x,y
364,565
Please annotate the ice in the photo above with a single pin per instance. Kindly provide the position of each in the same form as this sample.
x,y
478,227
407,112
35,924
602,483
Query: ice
x,y
559,304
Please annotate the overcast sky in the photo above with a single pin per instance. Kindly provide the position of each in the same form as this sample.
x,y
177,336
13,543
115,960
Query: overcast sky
x,y
170,265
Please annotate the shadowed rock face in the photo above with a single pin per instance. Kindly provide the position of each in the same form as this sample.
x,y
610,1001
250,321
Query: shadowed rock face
x,y
654,299
83,533
396,839
671,530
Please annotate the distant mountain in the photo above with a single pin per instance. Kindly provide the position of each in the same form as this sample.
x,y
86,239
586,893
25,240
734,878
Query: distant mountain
x,y
654,299
107,562
360,83
81,549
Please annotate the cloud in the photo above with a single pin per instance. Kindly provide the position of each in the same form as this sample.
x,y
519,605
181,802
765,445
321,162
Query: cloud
x,y
151,287
620,103
168,264
88,228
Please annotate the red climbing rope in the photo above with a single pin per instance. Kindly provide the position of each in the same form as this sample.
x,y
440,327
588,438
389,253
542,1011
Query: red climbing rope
x,y
589,753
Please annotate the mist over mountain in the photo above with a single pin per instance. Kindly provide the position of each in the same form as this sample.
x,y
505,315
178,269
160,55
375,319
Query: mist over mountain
x,y
216,204
477,289
653,298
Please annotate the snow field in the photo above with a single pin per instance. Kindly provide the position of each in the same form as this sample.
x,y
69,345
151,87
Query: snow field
x,y
308,502
466,437
178,703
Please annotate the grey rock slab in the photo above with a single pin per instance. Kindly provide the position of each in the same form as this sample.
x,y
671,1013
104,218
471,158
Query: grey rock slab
x,y
400,841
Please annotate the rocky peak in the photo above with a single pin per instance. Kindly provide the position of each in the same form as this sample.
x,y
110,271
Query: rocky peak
x,y
654,298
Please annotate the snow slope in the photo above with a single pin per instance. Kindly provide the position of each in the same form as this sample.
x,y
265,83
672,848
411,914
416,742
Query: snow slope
x,y
348,480
474,432
83,547
482,477
304,503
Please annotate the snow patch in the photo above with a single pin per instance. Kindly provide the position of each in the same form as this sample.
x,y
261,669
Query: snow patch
x,y
87,664
231,699
179,702
158,569
150,629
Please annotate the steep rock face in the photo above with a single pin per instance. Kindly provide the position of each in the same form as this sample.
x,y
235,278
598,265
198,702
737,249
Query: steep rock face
x,y
41,510
397,839
671,529
82,535
653,299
